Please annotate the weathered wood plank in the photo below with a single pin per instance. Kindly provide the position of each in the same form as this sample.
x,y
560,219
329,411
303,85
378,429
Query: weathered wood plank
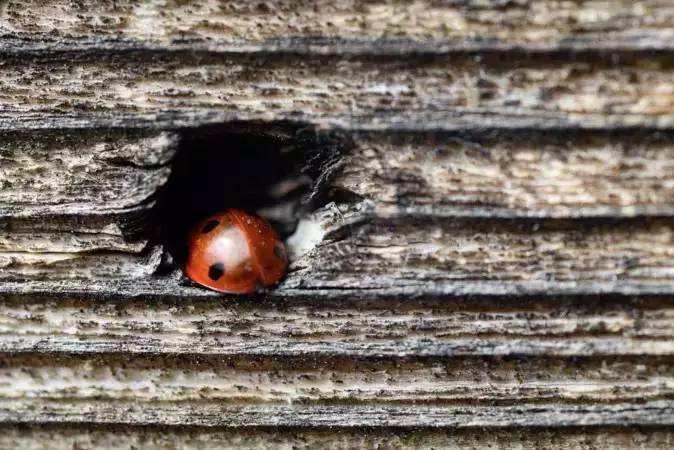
x,y
442,327
412,347
209,414
446,257
77,266
419,252
484,380
160,287
441,298
295,319
344,25
386,254
510,175
446,92
67,437
70,201
61,173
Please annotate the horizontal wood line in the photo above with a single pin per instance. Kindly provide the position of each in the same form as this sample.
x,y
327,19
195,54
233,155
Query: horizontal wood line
x,y
157,288
578,218
369,93
444,289
436,399
336,381
585,215
590,212
648,43
456,366
117,333
337,320
399,348
482,136
551,415
150,437
69,436
274,299
449,122
376,212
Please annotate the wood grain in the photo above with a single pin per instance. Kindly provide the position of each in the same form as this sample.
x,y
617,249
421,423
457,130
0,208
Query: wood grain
x,y
342,25
490,263
457,380
386,258
41,437
443,92
446,326
91,173
218,414
527,174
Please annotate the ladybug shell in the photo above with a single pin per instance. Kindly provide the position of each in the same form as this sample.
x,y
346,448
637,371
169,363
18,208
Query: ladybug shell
x,y
235,252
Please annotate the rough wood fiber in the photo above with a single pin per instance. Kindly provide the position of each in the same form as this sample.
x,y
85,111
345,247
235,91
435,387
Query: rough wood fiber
x,y
447,91
337,380
357,254
326,25
515,175
69,201
86,173
124,438
415,252
496,268
406,328
220,414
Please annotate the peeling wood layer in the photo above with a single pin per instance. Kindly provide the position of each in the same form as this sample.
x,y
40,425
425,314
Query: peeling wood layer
x,y
341,25
72,204
91,173
168,89
513,175
419,252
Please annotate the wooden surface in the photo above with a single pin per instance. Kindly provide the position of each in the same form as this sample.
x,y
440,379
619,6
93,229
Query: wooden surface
x,y
491,262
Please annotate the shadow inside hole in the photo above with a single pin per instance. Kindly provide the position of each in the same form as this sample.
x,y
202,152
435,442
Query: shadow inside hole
x,y
251,167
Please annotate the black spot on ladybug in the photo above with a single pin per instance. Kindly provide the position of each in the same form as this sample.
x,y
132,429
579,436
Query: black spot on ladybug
x,y
280,252
209,226
215,271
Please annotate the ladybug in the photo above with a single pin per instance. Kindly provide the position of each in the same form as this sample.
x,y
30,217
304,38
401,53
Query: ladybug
x,y
235,252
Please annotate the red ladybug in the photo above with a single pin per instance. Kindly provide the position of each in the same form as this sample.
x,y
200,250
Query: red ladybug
x,y
235,252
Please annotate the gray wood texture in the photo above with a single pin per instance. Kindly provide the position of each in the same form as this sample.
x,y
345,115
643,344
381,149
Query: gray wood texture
x,y
494,268
45,437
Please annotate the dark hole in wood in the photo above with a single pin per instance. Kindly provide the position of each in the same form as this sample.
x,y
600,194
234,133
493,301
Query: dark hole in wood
x,y
276,170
